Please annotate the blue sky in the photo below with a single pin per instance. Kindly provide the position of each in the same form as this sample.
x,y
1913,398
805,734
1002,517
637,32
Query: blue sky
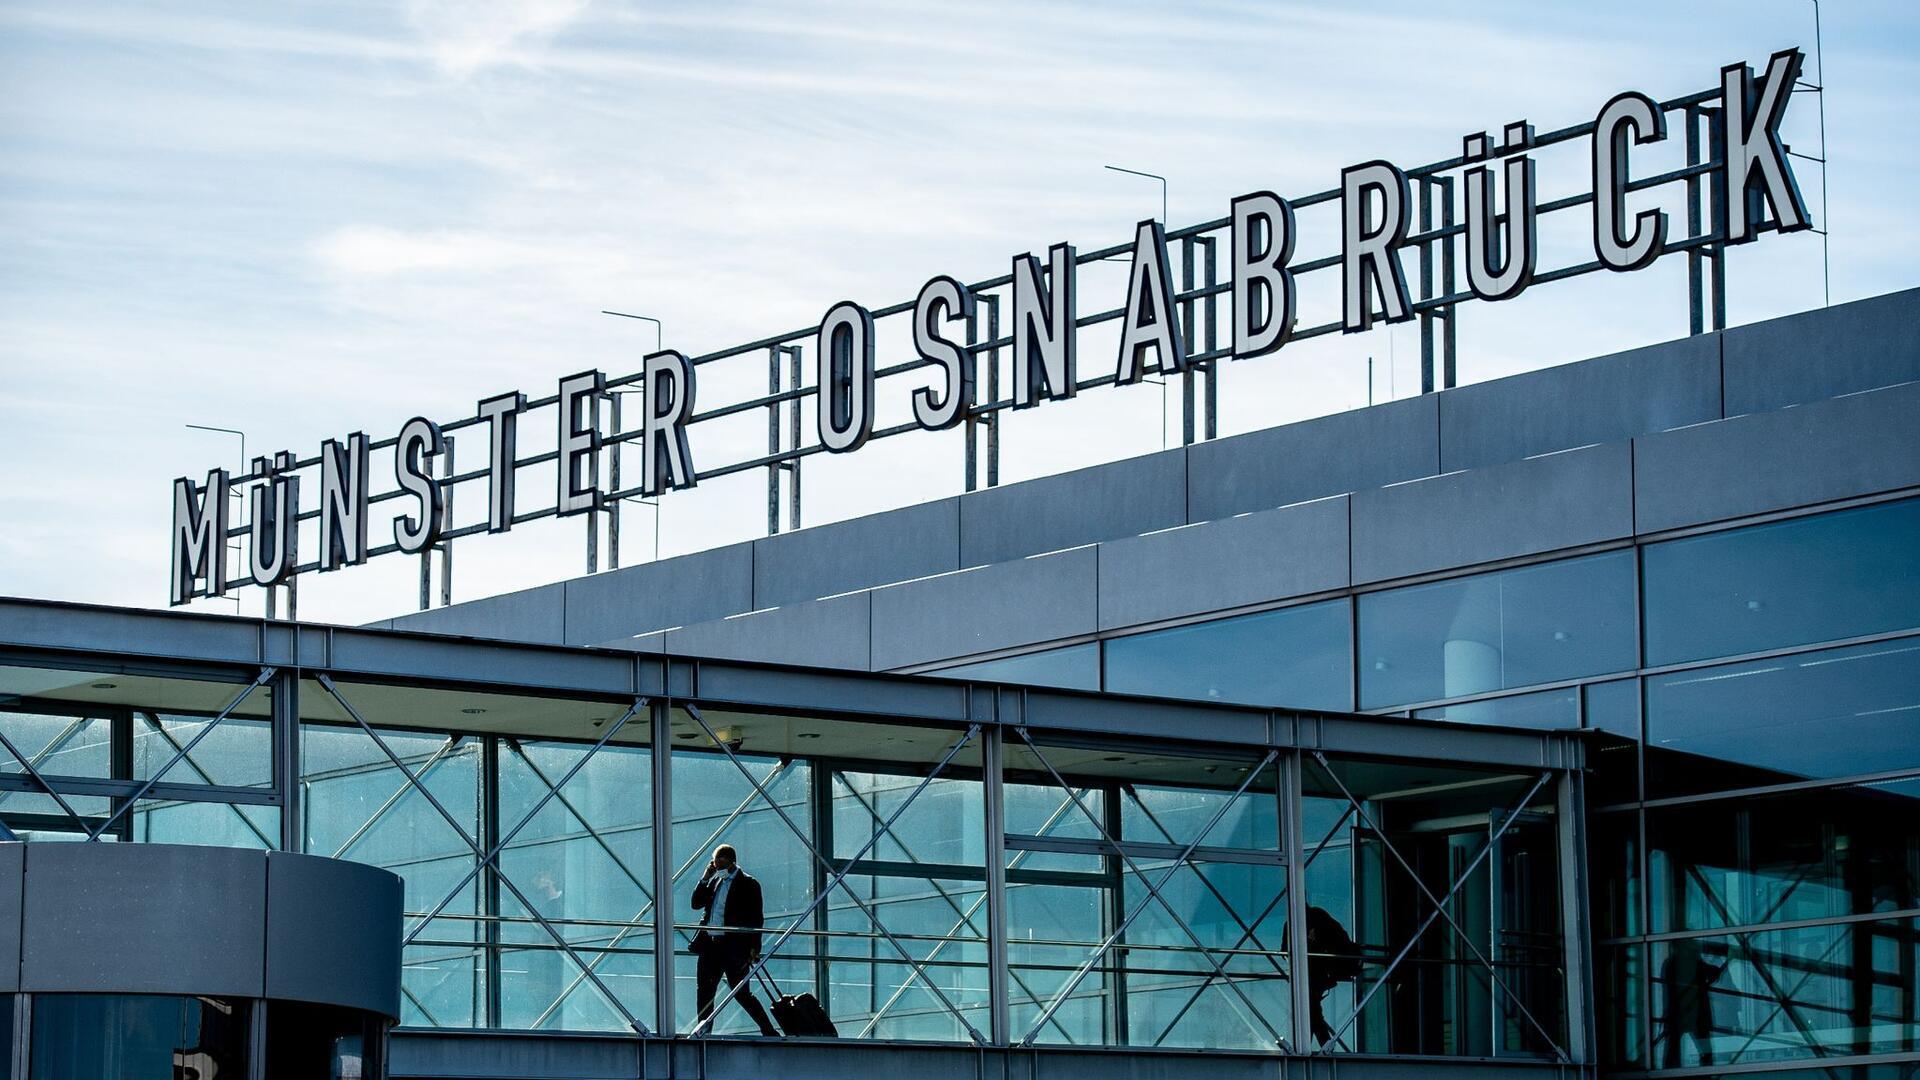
x,y
309,219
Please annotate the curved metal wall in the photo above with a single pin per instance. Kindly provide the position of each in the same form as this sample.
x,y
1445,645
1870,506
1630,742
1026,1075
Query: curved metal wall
x,y
169,919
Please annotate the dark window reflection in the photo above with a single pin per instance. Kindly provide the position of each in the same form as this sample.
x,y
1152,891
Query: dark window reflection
x,y
1422,984
1806,855
1785,995
138,1037
1828,714
1549,710
1075,667
1300,657
1535,624
1774,586
1620,990
323,1042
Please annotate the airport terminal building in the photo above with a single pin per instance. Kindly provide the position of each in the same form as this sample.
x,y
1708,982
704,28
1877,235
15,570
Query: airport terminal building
x,y
1586,702
1562,725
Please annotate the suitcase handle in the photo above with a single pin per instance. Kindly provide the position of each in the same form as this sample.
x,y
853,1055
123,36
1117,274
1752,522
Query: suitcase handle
x,y
773,988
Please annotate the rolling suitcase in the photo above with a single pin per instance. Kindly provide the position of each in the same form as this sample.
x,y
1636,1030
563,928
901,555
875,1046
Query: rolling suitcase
x,y
799,1015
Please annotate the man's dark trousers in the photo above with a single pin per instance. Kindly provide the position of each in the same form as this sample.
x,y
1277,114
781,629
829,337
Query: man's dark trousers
x,y
730,957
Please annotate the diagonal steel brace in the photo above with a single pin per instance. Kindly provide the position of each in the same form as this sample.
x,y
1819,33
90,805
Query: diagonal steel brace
x,y
460,831
1153,894
259,680
1440,903
917,967
491,860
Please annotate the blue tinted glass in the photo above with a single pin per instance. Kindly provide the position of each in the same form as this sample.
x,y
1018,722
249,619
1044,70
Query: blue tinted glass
x,y
1614,707
1790,583
1300,657
1076,667
1535,624
1547,709
1818,715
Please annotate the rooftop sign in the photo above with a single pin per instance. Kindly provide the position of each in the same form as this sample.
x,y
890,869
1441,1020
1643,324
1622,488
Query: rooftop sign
x,y
1742,186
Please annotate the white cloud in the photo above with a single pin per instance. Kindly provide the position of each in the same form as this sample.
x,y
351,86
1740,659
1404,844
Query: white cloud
x,y
465,36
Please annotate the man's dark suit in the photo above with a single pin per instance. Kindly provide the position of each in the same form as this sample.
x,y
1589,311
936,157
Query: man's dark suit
x,y
730,951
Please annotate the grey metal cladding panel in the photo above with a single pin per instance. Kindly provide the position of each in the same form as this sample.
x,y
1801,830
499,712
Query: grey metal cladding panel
x,y
144,919
1542,504
833,633
1269,555
537,614
13,871
992,607
1105,502
1855,445
1436,740
441,1054
876,550
333,933
1595,401
1156,719
722,683
136,632
1824,353
1328,455
654,596
378,653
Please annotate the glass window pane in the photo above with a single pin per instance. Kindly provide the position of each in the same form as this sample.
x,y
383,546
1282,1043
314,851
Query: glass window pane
x,y
123,1036
1620,973
1431,830
1075,667
237,752
1785,995
1839,575
585,862
1819,715
322,1042
216,824
1521,627
1548,709
1300,657
1786,858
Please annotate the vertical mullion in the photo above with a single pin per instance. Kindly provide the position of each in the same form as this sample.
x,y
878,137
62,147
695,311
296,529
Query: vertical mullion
x,y
1117,908
664,902
1574,922
489,796
820,783
1293,793
286,760
992,746
120,747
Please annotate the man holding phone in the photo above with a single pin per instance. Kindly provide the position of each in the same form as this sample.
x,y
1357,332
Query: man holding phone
x,y
730,903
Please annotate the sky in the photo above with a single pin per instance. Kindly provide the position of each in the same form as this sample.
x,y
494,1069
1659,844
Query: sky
x,y
304,220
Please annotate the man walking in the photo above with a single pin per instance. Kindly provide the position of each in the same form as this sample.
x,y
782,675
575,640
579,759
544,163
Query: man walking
x,y
729,901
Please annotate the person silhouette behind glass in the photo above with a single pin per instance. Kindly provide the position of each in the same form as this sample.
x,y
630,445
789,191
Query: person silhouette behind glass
x,y
729,900
1689,977
1332,958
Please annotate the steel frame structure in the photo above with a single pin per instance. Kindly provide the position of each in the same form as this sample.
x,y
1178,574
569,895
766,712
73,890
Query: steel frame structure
x,y
1434,245
1278,744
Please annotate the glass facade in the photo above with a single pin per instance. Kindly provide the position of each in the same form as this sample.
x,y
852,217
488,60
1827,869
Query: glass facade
x,y
1301,655
1755,873
1141,896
